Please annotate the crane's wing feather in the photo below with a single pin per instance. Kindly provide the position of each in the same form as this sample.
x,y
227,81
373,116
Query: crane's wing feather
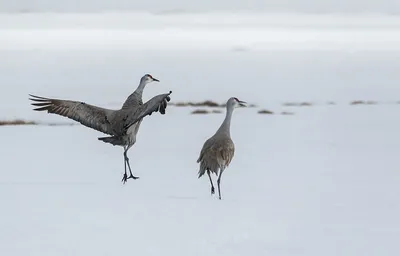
x,y
88,115
155,104
218,148
206,146
227,151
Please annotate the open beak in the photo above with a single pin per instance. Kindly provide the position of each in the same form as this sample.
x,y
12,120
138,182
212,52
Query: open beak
x,y
242,103
155,79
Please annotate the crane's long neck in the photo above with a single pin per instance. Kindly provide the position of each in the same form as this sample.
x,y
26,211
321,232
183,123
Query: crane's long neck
x,y
140,88
226,124
135,98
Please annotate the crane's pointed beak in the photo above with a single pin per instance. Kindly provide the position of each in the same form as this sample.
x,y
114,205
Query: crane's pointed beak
x,y
155,79
242,103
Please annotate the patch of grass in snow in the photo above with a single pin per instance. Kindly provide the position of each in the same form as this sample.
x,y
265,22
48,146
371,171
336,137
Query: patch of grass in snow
x,y
200,111
362,102
23,122
17,122
206,103
204,111
265,111
297,104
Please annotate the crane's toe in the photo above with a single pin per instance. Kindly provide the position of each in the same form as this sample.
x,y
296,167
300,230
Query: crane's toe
x,y
212,191
125,178
133,177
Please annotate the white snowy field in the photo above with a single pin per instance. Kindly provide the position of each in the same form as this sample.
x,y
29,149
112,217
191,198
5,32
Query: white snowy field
x,y
323,181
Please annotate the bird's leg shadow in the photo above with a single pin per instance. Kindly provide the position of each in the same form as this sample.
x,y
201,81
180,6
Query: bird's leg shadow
x,y
212,185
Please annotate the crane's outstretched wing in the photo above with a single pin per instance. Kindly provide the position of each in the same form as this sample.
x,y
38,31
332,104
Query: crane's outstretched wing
x,y
157,103
88,115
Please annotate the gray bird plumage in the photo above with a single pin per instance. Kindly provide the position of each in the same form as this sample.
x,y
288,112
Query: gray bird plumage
x,y
218,151
122,125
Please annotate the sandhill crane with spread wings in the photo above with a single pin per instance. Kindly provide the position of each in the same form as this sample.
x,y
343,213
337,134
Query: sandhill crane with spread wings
x,y
122,125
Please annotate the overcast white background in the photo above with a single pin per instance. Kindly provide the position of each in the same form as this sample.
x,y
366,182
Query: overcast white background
x,y
342,6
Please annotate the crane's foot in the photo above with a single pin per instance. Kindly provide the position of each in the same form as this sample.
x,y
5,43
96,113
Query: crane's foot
x,y
125,178
212,191
133,177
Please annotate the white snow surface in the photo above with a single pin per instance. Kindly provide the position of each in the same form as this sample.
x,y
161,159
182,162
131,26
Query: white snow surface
x,y
323,181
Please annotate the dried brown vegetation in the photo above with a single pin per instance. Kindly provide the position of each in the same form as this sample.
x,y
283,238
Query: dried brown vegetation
x,y
204,111
207,103
285,113
200,111
264,111
362,102
17,122
297,104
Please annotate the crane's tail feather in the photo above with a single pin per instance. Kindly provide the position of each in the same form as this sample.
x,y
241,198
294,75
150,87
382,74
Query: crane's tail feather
x,y
201,172
207,166
115,140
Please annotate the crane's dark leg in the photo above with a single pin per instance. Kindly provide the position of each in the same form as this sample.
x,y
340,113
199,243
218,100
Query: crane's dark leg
x,y
129,166
126,160
125,177
221,170
212,186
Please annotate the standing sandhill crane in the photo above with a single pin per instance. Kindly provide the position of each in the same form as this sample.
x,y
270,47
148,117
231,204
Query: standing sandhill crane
x,y
122,124
218,151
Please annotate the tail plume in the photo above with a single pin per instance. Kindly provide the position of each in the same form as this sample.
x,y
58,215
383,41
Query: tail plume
x,y
116,141
202,170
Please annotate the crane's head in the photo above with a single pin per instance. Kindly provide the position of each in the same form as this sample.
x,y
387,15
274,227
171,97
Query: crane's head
x,y
235,102
148,79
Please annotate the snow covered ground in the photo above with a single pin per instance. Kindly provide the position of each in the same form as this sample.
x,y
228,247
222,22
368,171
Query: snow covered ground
x,y
324,181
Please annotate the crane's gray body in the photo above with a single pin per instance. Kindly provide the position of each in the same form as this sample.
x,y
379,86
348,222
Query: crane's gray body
x,y
216,154
127,139
123,124
218,151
